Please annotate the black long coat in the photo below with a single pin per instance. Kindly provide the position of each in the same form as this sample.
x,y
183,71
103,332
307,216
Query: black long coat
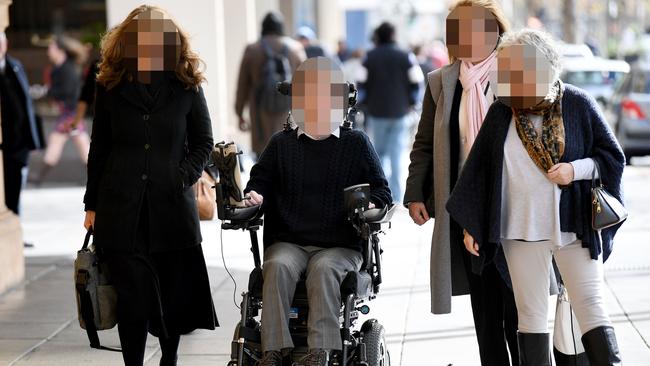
x,y
159,152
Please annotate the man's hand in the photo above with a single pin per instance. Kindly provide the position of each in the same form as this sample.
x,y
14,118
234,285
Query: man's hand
x,y
470,244
243,125
418,212
89,220
561,174
253,199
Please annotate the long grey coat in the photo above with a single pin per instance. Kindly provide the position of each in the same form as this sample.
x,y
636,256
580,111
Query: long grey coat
x,y
428,181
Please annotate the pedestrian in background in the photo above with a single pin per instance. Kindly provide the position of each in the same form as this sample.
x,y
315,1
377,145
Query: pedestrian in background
x,y
526,188
87,96
20,132
66,55
456,99
307,38
273,57
390,88
151,140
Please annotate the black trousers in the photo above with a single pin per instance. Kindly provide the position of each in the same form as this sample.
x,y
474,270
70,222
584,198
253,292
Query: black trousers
x,y
13,177
494,311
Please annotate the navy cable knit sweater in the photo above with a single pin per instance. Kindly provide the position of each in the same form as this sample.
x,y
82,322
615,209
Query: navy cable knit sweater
x,y
302,181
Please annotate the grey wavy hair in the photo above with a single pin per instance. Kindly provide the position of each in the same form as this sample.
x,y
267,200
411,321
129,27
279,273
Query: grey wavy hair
x,y
542,41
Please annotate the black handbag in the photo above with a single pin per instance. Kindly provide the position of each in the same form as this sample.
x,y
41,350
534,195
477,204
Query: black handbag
x,y
606,210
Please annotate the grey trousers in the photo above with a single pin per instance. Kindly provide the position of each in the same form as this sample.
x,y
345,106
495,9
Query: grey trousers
x,y
284,264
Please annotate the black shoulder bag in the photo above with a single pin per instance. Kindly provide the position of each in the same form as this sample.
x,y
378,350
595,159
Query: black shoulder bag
x,y
606,211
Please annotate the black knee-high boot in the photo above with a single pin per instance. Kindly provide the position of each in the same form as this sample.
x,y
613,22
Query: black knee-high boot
x,y
133,339
534,349
601,347
169,348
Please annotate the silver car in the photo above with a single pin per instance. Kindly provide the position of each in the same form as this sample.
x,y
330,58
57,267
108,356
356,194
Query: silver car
x,y
630,108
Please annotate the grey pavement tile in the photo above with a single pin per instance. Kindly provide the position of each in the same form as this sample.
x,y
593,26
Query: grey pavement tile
x,y
27,330
12,348
441,351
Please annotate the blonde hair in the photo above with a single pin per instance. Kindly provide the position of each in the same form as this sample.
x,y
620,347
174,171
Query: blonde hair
x,y
493,6
112,68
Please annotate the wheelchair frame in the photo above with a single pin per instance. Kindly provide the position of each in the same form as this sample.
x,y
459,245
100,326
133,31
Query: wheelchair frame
x,y
246,344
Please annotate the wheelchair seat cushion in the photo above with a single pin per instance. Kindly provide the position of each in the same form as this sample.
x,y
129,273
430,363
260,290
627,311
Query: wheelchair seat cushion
x,y
357,283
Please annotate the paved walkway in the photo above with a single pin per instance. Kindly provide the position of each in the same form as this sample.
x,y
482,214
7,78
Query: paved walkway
x,y
38,323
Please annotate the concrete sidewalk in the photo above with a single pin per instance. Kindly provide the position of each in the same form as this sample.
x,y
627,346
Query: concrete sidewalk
x,y
38,323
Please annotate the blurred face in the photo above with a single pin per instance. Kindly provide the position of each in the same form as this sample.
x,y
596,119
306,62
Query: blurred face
x,y
152,43
524,76
472,33
318,93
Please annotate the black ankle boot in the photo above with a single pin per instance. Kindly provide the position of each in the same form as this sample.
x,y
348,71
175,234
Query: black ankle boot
x,y
534,349
169,349
601,347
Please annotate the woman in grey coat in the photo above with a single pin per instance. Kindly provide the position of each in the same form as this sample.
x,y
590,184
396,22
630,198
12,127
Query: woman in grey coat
x,y
456,99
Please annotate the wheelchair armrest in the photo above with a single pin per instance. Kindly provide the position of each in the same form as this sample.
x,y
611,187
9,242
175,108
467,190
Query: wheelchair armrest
x,y
379,215
242,214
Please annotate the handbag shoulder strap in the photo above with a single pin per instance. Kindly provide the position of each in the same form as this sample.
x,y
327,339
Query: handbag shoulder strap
x,y
596,182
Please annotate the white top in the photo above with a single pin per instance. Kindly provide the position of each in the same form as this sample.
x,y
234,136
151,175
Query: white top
x,y
530,202
334,133
462,124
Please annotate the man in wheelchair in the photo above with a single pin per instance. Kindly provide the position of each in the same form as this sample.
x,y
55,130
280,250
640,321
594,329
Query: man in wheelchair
x,y
299,181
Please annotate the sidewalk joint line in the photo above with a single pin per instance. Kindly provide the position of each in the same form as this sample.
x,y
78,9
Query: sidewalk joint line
x,y
625,313
42,342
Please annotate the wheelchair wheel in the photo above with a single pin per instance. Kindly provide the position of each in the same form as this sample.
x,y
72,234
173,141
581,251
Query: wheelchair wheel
x,y
374,339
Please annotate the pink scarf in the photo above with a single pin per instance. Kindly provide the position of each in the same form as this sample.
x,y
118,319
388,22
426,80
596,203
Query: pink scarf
x,y
474,79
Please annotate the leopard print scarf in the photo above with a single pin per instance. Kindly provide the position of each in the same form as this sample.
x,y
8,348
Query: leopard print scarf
x,y
548,149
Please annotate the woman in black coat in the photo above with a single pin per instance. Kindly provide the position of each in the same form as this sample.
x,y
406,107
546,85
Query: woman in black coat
x,y
151,140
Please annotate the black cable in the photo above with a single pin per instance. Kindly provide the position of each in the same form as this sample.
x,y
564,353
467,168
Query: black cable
x,y
223,259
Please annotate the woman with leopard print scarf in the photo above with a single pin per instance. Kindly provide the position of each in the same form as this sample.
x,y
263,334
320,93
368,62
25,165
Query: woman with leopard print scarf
x,y
525,188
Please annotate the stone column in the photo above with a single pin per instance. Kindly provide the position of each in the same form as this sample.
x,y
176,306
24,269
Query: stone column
x,y
330,17
12,262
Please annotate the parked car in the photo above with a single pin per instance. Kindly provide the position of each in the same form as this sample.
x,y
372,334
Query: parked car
x,y
630,108
596,75
571,50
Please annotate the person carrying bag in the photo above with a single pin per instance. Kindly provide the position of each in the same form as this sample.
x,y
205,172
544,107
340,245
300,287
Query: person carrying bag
x,y
96,296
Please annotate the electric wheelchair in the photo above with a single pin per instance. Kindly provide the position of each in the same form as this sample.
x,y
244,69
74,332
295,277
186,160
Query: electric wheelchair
x,y
364,346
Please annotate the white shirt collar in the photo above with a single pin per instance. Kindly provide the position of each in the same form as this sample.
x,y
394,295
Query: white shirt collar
x,y
336,133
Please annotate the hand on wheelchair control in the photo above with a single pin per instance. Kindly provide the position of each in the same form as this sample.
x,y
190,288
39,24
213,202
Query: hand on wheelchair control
x,y
253,199
470,244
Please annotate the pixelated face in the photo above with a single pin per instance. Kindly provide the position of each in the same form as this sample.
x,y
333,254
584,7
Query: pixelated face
x,y
152,43
318,94
523,76
472,33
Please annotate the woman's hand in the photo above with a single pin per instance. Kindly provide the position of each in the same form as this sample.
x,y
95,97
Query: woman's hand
x,y
561,174
470,244
418,212
253,199
89,221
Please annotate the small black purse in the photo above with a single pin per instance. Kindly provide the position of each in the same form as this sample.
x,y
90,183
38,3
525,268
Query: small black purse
x,y
606,210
